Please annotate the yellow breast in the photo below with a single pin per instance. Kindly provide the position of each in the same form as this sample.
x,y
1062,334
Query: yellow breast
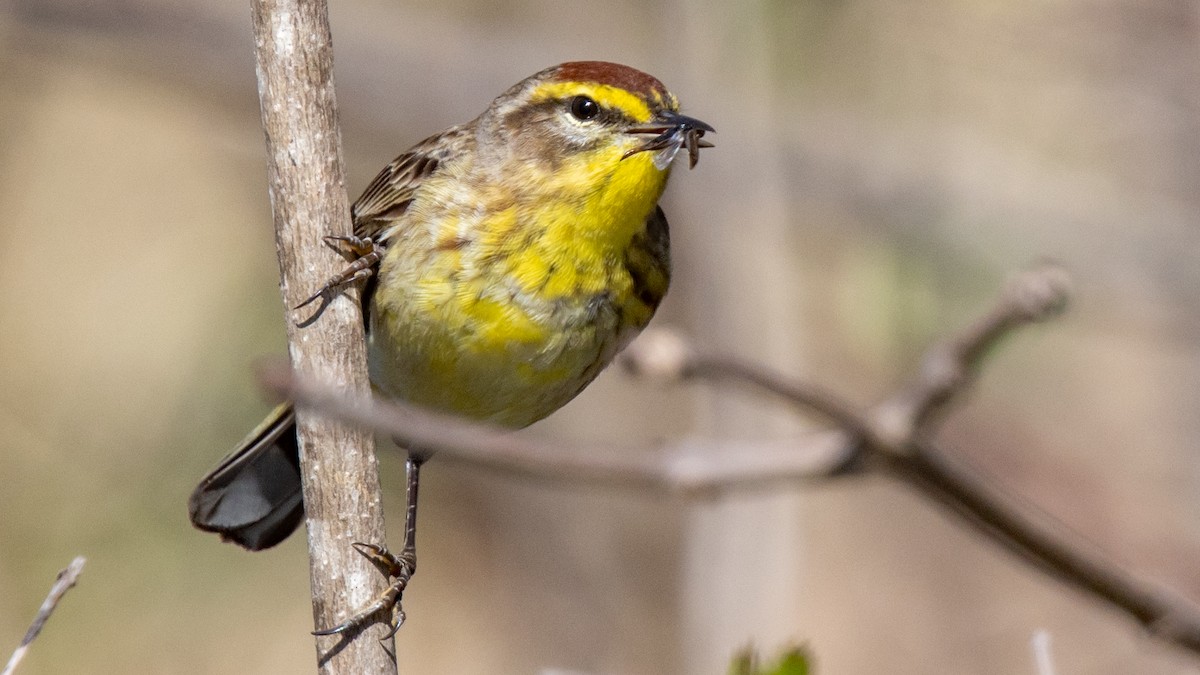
x,y
501,297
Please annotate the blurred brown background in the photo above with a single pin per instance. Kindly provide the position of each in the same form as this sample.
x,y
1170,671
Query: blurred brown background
x,y
880,167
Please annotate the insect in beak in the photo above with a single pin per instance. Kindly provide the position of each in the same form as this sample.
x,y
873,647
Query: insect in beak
x,y
672,132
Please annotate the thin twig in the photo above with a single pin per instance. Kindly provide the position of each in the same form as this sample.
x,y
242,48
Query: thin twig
x,y
951,366
683,466
65,582
894,435
1037,538
663,354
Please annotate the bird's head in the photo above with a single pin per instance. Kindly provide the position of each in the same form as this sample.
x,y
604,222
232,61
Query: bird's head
x,y
604,112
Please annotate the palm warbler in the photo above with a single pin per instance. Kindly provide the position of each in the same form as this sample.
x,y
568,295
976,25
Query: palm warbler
x,y
516,255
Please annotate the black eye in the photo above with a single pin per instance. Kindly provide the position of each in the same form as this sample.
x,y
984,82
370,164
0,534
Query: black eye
x,y
584,108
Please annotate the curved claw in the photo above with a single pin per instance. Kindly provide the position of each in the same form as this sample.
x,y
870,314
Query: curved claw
x,y
312,298
382,558
400,617
349,245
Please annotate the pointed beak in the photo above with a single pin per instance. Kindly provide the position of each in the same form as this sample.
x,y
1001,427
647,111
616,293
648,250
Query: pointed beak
x,y
672,131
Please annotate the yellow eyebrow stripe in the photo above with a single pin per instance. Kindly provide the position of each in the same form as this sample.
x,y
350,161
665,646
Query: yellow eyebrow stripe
x,y
606,95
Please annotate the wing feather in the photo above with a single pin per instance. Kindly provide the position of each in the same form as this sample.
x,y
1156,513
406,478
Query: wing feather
x,y
387,198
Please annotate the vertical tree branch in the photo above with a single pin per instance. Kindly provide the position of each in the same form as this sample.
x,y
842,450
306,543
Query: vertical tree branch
x,y
342,497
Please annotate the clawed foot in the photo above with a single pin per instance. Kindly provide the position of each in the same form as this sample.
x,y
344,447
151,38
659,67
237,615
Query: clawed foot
x,y
363,254
398,568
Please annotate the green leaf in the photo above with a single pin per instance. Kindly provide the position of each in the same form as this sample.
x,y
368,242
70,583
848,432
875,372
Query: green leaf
x,y
793,661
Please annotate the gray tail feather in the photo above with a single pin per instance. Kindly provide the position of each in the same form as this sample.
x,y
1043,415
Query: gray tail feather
x,y
253,496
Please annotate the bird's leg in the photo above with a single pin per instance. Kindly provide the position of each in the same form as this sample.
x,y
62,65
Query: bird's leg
x,y
362,252
399,568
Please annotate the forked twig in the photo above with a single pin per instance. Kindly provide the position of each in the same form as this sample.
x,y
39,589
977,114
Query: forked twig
x,y
893,436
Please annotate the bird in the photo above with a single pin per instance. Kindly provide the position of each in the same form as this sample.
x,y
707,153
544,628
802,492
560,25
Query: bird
x,y
504,263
